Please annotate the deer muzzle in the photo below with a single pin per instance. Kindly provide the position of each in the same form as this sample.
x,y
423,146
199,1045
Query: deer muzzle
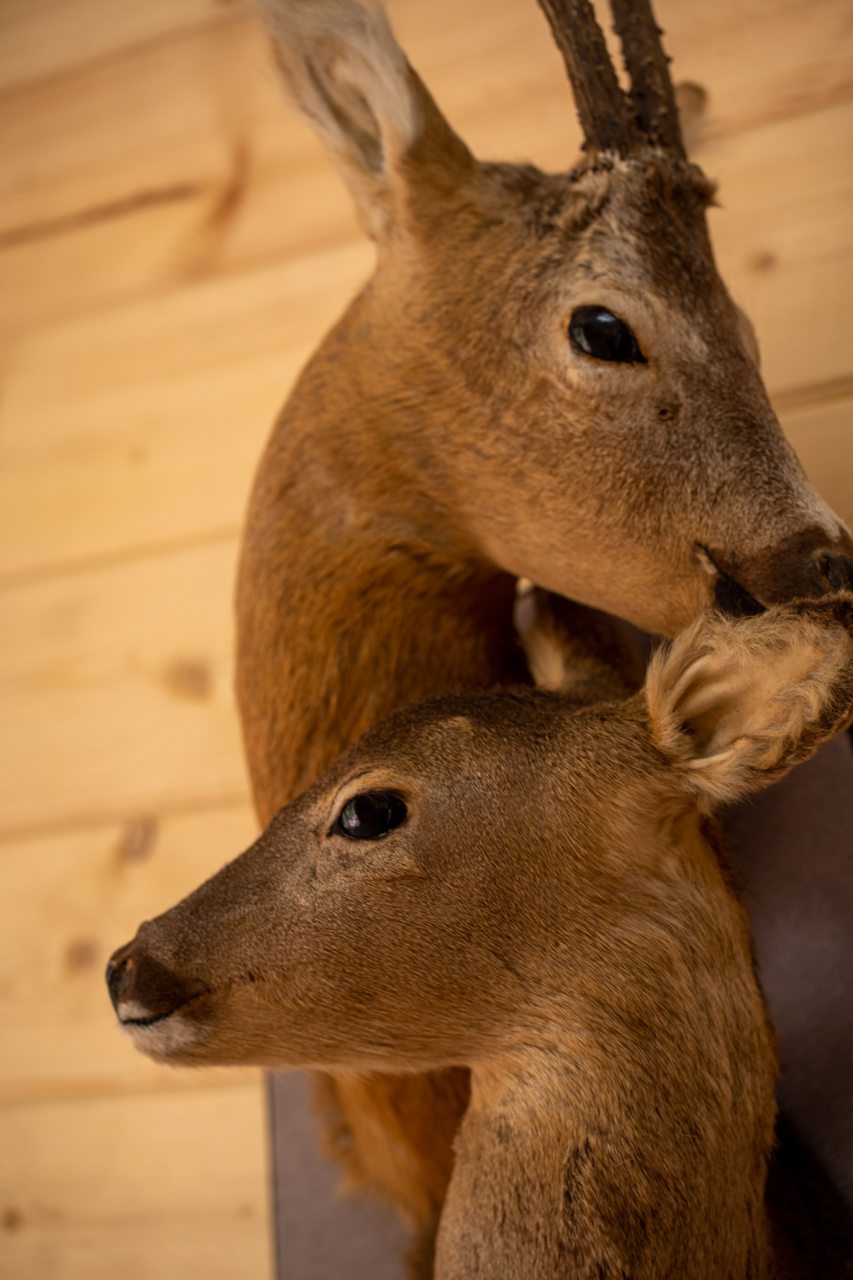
x,y
147,995
806,566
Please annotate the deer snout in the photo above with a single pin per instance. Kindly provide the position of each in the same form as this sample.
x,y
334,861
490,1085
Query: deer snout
x,y
837,570
143,990
807,570
807,566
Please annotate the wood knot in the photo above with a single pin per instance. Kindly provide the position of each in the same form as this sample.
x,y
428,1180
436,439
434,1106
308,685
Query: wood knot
x,y
80,954
189,678
12,1219
763,261
138,839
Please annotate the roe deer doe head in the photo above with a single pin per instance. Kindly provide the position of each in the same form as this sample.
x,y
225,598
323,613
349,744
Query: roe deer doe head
x,y
516,884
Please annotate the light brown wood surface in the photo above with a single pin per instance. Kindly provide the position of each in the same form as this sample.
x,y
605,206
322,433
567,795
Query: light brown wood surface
x,y
173,243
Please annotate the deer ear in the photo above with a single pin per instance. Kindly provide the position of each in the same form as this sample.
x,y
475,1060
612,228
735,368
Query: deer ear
x,y
735,703
348,76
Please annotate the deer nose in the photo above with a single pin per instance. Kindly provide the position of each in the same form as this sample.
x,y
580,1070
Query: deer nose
x,y
806,566
836,570
144,991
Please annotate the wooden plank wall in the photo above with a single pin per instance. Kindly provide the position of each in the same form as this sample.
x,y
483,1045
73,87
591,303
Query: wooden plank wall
x,y
172,245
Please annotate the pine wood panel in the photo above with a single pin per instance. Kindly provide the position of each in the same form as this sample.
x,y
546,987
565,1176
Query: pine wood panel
x,y
783,241
118,683
78,895
134,427
154,1188
822,434
43,38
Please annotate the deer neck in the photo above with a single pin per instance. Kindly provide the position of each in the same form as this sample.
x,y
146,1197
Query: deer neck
x,y
623,1146
357,594
551,1189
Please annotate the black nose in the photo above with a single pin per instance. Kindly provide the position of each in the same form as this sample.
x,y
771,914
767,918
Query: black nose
x,y
805,566
143,990
836,570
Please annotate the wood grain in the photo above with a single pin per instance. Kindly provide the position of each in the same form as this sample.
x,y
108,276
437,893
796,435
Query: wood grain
x,y
78,895
143,424
783,240
161,1185
119,679
822,434
44,38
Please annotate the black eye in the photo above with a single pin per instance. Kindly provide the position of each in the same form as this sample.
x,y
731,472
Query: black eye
x,y
599,333
370,816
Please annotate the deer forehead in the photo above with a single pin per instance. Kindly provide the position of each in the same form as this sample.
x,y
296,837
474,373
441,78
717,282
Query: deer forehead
x,y
476,760
514,246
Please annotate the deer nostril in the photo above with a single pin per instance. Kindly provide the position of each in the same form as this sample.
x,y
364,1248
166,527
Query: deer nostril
x,y
111,976
119,973
837,570
143,990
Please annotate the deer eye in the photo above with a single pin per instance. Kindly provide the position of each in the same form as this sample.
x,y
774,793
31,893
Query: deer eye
x,y
370,815
596,332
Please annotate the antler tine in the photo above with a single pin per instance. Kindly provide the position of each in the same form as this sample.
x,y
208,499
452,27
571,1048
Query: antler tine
x,y
601,105
651,93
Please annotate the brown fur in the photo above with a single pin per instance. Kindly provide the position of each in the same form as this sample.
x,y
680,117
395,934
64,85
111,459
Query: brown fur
x,y
446,438
552,915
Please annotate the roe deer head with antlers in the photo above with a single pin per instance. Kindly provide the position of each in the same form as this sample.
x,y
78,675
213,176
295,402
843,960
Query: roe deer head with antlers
x,y
545,376
530,888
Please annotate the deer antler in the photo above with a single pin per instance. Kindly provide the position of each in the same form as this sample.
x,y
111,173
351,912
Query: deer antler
x,y
612,120
651,92
601,104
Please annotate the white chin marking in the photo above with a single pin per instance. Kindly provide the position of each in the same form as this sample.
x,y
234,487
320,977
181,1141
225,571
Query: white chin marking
x,y
165,1038
132,1009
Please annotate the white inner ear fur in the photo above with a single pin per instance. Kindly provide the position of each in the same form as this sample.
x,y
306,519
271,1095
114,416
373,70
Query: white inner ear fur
x,y
345,71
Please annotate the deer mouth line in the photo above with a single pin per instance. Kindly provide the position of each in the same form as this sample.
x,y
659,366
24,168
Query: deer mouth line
x,y
153,1019
150,1021
730,596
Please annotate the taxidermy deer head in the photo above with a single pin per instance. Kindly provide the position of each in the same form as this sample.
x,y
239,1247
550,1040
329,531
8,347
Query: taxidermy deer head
x,y
530,888
546,372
